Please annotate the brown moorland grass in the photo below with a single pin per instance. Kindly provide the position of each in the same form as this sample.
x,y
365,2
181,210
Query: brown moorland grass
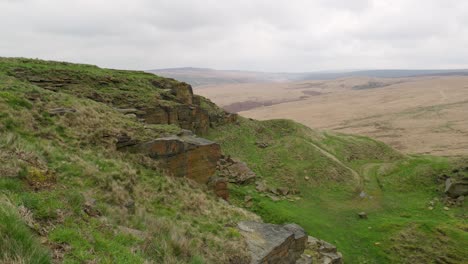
x,y
423,115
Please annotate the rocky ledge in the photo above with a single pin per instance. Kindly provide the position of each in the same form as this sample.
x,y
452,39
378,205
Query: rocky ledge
x,y
182,156
235,171
273,244
320,252
456,188
185,111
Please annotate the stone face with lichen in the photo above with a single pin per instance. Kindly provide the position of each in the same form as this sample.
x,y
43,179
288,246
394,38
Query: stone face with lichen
x,y
319,251
235,171
220,187
456,188
190,117
182,156
186,112
273,244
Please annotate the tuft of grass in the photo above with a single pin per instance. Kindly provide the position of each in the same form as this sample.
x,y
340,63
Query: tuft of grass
x,y
17,244
15,101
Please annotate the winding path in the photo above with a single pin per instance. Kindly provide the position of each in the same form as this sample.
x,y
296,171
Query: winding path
x,y
356,175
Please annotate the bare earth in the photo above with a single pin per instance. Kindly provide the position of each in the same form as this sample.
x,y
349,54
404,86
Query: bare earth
x,y
424,115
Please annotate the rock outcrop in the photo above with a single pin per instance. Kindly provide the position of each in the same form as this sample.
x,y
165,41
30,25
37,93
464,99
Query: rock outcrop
x,y
235,170
182,156
190,117
456,188
321,252
220,187
273,244
172,102
187,113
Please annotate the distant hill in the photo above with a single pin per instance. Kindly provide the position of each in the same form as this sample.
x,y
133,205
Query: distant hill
x,y
385,74
204,76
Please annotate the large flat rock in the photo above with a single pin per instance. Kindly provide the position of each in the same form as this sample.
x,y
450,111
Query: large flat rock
x,y
273,244
456,188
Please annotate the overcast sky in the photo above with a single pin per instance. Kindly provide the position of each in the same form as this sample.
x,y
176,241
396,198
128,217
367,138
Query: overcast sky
x,y
265,35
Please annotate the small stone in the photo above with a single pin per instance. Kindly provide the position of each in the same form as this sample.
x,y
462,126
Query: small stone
x,y
377,243
446,208
369,227
306,178
130,204
261,187
273,190
133,116
294,191
362,215
221,200
273,198
430,208
261,144
283,190
327,247
362,195
61,111
220,187
90,209
456,188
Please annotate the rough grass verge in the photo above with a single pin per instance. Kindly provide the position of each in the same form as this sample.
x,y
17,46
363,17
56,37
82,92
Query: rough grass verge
x,y
17,243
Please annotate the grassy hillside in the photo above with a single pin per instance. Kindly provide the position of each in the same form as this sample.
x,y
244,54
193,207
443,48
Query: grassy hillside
x,y
67,194
396,189
114,87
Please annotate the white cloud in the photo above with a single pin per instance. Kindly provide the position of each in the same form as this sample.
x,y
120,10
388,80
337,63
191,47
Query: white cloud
x,y
271,35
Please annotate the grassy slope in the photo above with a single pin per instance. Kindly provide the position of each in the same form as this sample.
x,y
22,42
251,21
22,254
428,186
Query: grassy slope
x,y
114,87
55,167
17,243
400,228
117,88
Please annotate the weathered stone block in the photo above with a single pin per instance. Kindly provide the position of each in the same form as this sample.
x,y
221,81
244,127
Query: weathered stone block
x,y
454,188
273,244
187,156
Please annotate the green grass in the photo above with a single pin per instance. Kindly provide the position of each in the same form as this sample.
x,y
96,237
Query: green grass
x,y
400,228
119,88
17,243
54,167
93,237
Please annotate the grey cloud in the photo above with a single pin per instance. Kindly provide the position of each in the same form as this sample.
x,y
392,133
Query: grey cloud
x,y
270,35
